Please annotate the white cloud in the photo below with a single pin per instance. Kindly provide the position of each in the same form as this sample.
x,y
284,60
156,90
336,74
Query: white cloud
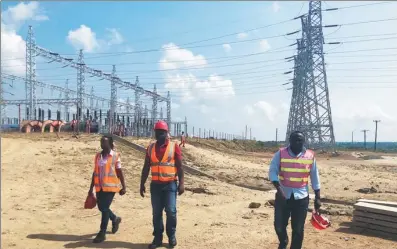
x,y
188,87
276,7
370,112
175,105
175,57
204,109
13,46
262,107
284,106
83,38
269,110
182,84
249,109
241,36
16,15
41,18
114,37
217,120
214,87
13,50
227,47
265,46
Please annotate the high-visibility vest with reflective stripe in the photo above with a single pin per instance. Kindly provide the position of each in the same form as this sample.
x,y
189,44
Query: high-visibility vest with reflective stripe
x,y
110,181
295,171
164,170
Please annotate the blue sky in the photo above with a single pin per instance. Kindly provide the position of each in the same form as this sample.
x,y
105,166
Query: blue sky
x,y
207,85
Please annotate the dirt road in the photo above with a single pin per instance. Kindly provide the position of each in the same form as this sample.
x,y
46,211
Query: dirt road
x,y
45,181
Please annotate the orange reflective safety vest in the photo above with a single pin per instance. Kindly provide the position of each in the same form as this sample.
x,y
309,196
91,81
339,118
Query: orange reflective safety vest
x,y
295,171
164,170
110,181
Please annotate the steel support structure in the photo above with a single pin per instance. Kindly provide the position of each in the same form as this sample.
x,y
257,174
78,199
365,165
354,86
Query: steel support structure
x,y
42,101
293,105
80,81
60,105
67,97
92,99
310,98
128,108
33,50
154,106
161,113
66,90
169,109
137,111
178,127
322,127
113,99
296,113
30,85
82,69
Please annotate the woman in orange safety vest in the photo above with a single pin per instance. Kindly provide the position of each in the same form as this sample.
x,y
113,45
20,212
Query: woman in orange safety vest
x,y
106,179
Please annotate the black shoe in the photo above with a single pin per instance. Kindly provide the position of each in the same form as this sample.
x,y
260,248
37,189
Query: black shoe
x,y
157,242
115,225
101,236
172,242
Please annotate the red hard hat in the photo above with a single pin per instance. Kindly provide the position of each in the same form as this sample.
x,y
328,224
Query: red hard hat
x,y
90,201
319,222
161,125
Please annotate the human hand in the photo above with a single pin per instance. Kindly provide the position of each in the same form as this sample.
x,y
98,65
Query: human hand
x,y
122,191
90,192
317,204
280,193
142,190
181,188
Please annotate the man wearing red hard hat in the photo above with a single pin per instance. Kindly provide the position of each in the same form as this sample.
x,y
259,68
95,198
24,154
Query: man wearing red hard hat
x,y
289,172
164,160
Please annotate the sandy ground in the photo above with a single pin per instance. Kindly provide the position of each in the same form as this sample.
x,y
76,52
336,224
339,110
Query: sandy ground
x,y
45,181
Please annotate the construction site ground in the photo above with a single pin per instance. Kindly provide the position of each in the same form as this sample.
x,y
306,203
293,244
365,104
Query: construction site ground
x,y
45,179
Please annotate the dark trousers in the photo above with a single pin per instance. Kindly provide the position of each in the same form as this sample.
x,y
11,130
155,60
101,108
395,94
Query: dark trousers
x,y
297,210
163,196
104,200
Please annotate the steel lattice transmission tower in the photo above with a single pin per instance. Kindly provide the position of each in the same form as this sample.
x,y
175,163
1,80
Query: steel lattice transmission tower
x,y
137,111
310,110
67,97
80,81
154,106
169,109
30,84
113,99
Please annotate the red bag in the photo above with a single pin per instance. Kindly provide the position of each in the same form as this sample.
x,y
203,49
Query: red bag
x,y
90,202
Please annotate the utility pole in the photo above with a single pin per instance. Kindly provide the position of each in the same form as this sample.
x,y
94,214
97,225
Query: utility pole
x,y
276,136
352,137
365,138
376,133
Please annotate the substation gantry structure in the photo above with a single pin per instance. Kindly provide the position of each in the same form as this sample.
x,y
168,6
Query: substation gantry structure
x,y
33,50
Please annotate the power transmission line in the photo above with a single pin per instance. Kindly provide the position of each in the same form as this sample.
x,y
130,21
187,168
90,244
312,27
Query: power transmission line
x,y
218,44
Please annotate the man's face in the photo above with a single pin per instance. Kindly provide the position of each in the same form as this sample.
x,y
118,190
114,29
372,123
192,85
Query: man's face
x,y
297,141
105,143
161,134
